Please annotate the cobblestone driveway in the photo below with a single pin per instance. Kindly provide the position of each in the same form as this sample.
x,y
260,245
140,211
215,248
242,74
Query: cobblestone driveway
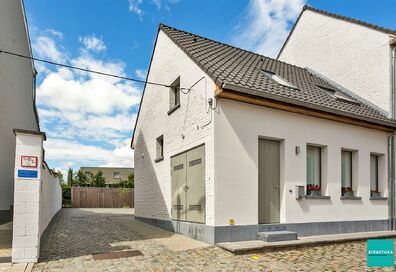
x,y
76,234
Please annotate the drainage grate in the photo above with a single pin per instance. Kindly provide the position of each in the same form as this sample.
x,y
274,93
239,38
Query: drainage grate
x,y
116,255
5,259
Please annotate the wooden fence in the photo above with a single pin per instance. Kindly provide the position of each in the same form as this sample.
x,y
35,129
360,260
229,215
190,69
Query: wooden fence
x,y
94,197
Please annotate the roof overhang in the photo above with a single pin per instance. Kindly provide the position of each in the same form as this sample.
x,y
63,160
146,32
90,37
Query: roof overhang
x,y
237,93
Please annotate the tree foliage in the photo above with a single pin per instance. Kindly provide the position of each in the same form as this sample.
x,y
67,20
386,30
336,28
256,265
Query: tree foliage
x,y
81,179
98,180
70,178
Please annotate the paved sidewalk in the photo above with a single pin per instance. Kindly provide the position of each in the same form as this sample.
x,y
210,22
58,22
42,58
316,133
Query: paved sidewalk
x,y
75,235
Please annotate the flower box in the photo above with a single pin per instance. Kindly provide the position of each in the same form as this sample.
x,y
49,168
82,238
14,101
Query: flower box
x,y
347,192
314,190
375,194
315,193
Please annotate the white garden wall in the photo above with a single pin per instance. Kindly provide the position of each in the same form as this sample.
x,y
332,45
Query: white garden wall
x,y
50,197
238,128
356,57
36,199
187,127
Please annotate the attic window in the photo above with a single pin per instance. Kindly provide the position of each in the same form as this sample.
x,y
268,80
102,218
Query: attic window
x,y
278,79
338,95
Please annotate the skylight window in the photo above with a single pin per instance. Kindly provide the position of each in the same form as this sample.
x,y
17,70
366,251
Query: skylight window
x,y
278,79
339,96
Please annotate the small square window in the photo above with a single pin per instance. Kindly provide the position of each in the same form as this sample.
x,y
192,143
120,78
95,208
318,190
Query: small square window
x,y
160,148
174,95
116,175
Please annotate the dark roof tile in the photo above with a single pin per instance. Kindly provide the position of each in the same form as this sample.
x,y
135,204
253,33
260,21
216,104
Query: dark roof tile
x,y
228,64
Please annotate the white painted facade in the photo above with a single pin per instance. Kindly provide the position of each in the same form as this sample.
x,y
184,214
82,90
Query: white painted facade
x,y
354,56
237,130
37,200
187,127
231,146
16,92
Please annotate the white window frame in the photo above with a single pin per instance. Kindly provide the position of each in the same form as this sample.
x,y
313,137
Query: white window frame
x,y
319,174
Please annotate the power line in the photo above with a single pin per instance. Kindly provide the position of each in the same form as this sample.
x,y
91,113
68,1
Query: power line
x,y
88,70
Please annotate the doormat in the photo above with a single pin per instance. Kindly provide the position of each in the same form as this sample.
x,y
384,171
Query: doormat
x,y
116,255
5,259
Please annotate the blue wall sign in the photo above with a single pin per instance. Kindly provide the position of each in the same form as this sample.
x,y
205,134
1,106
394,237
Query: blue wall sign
x,y
27,174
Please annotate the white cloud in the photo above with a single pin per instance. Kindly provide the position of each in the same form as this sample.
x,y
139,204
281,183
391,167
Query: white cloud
x,y
93,43
94,95
266,24
87,61
87,117
141,74
134,6
55,33
71,151
46,48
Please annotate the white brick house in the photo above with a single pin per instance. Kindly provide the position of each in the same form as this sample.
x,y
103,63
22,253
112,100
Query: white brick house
x,y
255,145
357,55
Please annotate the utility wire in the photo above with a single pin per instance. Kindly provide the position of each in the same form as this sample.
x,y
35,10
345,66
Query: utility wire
x,y
88,70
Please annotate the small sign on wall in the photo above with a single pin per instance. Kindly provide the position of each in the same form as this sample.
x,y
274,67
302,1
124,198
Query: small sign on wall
x,y
30,174
29,161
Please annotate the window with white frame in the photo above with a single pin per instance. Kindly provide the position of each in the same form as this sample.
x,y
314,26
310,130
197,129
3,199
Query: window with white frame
x,y
346,173
116,175
174,95
314,169
160,148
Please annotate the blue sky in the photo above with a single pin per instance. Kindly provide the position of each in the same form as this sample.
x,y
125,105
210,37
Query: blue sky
x,y
89,119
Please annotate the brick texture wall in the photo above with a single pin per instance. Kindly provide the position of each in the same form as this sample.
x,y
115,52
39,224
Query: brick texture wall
x,y
187,127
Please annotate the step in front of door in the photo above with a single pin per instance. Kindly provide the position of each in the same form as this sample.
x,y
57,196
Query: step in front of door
x,y
277,236
271,227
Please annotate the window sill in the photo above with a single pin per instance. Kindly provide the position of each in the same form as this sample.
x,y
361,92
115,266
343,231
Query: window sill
x,y
170,111
316,197
378,198
351,198
159,159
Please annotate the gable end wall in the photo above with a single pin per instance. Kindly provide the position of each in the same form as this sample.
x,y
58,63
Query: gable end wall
x,y
152,179
354,56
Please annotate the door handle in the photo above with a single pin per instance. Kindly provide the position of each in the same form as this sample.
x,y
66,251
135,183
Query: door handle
x,y
186,187
276,187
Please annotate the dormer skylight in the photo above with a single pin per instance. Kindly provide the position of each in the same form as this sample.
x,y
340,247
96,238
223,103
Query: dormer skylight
x,y
338,95
278,79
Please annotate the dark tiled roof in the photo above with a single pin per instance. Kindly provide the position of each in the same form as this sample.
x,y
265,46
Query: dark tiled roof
x,y
243,70
348,19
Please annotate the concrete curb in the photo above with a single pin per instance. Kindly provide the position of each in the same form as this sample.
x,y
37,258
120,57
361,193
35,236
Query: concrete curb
x,y
257,245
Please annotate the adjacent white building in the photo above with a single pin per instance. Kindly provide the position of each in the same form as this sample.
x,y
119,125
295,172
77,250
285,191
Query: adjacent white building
x,y
357,55
17,95
239,145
